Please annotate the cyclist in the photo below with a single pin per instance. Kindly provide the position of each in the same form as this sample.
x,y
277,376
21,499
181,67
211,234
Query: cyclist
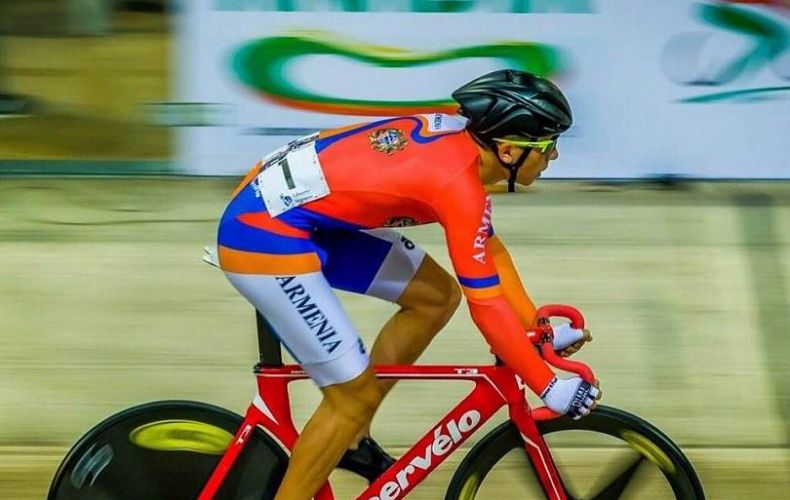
x,y
315,215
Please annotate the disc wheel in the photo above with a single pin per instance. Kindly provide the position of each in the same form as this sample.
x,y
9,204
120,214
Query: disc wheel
x,y
167,450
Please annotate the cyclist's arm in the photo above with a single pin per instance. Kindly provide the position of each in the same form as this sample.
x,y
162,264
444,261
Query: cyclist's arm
x,y
512,287
464,210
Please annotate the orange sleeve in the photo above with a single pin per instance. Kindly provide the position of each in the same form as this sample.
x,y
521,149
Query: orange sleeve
x,y
511,284
503,332
464,210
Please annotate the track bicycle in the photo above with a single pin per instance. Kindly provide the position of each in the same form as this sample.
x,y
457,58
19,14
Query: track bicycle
x,y
185,450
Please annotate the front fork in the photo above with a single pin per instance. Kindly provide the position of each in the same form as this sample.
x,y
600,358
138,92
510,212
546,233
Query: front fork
x,y
538,452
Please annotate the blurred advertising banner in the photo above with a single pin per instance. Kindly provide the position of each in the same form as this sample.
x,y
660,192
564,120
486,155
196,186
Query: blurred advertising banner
x,y
685,88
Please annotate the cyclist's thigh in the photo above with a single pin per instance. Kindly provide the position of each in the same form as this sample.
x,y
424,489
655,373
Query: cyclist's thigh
x,y
376,262
281,276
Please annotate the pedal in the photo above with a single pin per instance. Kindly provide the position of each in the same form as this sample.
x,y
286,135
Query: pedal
x,y
369,460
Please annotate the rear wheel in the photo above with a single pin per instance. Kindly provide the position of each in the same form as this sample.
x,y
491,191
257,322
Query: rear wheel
x,y
167,450
609,454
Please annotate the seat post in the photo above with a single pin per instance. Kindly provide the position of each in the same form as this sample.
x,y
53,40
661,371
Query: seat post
x,y
269,347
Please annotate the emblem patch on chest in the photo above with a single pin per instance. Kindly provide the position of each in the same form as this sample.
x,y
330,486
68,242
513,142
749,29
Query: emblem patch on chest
x,y
401,221
387,140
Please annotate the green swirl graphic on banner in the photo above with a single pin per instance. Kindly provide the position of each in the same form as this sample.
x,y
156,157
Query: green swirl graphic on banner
x,y
260,65
745,95
770,37
770,41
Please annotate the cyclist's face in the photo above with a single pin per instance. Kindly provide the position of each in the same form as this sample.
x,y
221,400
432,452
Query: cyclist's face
x,y
535,163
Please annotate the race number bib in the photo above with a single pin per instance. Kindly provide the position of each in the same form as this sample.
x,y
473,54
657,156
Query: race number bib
x,y
292,176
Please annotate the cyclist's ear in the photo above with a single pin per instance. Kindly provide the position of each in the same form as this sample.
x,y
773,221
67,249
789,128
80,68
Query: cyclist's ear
x,y
507,152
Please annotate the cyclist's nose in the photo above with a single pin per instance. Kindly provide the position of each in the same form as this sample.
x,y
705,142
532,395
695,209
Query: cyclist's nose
x,y
555,153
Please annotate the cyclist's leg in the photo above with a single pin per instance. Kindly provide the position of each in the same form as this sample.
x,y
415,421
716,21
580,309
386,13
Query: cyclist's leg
x,y
382,263
344,410
312,325
428,302
297,300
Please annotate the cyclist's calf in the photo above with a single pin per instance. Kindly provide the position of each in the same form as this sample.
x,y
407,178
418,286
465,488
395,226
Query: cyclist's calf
x,y
345,409
356,400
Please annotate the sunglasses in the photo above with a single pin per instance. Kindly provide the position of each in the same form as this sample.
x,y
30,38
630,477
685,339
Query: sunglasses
x,y
542,146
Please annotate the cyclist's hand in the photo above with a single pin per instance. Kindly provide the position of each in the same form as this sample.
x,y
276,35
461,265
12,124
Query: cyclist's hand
x,y
569,340
573,397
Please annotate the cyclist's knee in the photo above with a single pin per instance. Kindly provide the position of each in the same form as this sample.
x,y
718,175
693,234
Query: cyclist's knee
x,y
446,298
358,399
453,296
433,292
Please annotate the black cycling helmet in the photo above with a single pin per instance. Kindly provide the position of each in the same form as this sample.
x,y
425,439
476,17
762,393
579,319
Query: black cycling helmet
x,y
508,103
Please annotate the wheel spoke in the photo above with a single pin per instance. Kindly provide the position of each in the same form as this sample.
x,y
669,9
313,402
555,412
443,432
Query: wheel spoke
x,y
615,488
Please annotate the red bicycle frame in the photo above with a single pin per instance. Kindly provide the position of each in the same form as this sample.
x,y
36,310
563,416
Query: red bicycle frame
x,y
494,387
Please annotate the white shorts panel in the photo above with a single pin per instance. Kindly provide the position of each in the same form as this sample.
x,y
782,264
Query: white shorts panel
x,y
398,268
339,370
308,318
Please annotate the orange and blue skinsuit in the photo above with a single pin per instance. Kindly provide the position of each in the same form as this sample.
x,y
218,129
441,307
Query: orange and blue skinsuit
x,y
389,173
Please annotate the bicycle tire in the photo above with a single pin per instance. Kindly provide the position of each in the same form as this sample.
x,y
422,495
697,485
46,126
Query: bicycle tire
x,y
652,446
167,450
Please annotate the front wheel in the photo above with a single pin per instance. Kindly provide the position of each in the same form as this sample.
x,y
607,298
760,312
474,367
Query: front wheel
x,y
167,450
607,455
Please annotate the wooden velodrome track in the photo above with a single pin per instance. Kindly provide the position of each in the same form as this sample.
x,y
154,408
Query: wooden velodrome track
x,y
106,303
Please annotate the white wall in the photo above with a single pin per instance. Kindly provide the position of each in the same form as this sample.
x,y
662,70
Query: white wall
x,y
656,89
